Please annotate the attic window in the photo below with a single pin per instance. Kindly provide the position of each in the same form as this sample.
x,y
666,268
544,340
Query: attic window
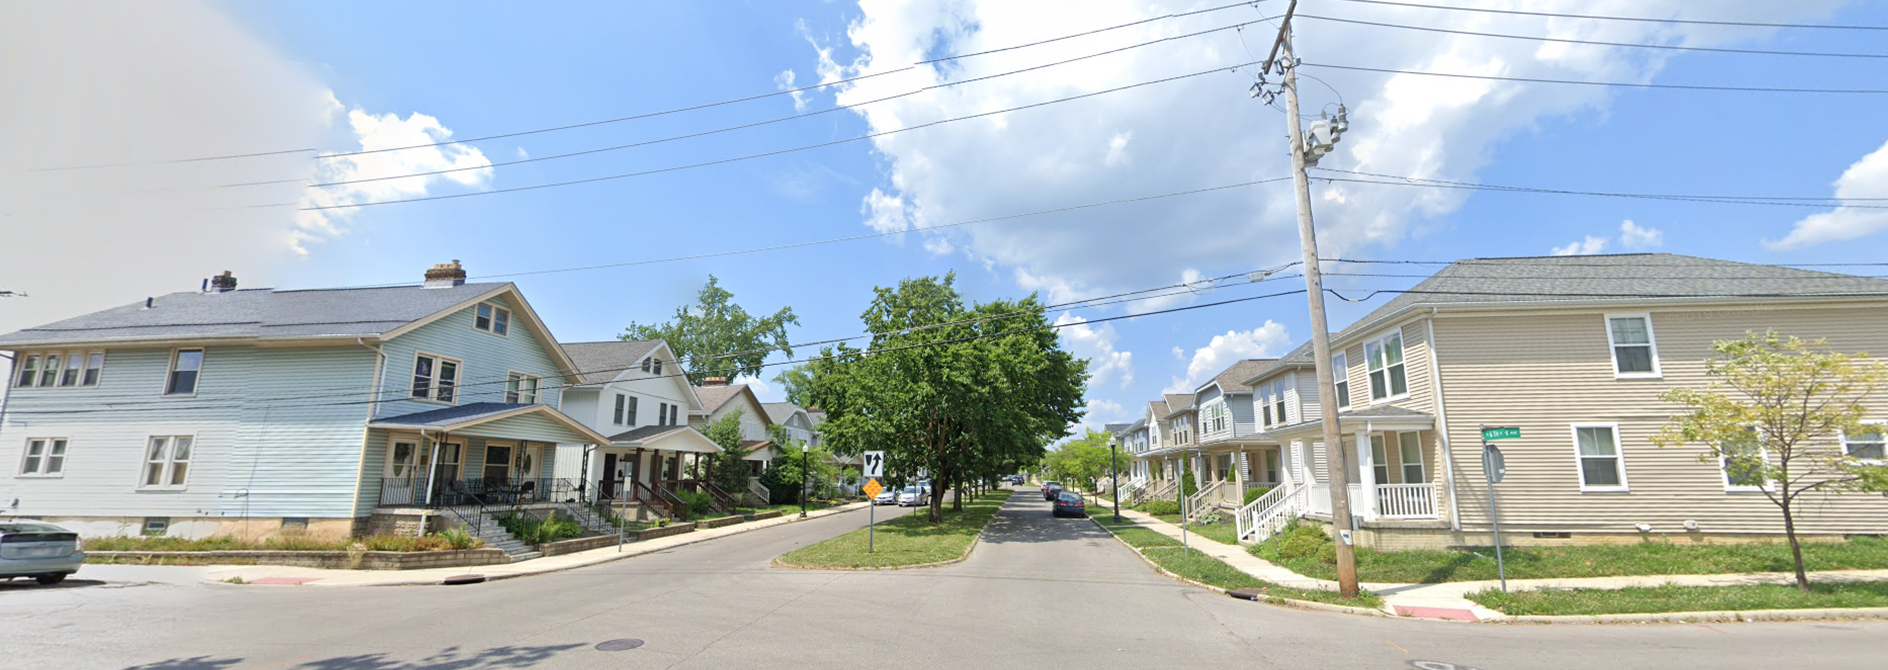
x,y
492,319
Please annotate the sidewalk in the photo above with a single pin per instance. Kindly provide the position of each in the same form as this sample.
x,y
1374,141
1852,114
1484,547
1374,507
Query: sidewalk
x,y
1445,600
289,575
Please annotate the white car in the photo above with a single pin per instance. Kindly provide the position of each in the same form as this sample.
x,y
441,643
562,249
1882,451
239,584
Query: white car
x,y
886,497
910,496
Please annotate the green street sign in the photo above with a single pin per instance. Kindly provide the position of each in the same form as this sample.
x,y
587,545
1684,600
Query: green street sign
x,y
1501,433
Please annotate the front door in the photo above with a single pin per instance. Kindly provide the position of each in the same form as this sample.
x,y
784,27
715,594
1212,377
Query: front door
x,y
611,480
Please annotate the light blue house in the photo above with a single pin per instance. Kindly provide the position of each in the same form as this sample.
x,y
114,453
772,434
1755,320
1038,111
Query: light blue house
x,y
249,412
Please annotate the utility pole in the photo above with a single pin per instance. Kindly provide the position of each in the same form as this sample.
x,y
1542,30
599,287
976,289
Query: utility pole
x,y
1335,459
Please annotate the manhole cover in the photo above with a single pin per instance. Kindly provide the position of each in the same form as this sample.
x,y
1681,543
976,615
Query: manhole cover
x,y
619,645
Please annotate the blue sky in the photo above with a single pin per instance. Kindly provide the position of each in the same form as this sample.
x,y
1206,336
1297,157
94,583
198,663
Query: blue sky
x,y
238,77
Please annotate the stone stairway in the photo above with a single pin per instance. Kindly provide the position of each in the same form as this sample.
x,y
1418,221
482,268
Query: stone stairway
x,y
496,537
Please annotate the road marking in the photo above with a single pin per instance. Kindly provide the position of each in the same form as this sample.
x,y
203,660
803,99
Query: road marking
x,y
1393,644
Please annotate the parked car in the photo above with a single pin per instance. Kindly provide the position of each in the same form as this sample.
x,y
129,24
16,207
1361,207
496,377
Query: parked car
x,y
925,486
1069,503
1050,490
42,551
911,496
885,497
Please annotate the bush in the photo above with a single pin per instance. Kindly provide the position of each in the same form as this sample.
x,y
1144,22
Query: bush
x,y
1299,542
460,538
1188,487
696,504
405,543
1255,494
532,530
1161,507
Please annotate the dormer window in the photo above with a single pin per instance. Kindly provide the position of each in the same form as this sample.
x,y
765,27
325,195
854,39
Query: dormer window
x,y
492,319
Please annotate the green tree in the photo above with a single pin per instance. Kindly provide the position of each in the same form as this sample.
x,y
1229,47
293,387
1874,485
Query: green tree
x,y
1772,416
1080,461
729,466
717,338
783,477
961,393
797,383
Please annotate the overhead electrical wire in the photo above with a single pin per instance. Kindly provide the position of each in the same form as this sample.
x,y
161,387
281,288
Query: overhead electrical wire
x,y
1611,84
777,152
1564,261
1569,40
1640,19
1392,180
665,112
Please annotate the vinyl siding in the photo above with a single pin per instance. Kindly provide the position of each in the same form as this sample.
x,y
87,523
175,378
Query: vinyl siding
x,y
487,359
250,458
1545,372
1415,360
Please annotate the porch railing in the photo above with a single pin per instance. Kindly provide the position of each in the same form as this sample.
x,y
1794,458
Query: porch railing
x,y
453,491
762,496
1269,513
1198,504
1406,501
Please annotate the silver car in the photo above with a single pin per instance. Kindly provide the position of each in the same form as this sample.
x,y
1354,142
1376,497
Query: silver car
x,y
911,496
39,550
885,497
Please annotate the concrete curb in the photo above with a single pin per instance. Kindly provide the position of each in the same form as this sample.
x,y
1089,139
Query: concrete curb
x,y
1275,600
1702,617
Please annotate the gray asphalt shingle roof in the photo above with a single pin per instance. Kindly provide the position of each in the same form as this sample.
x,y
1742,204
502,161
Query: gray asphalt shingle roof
x,y
255,314
1233,378
599,362
1176,403
644,433
713,397
779,412
446,416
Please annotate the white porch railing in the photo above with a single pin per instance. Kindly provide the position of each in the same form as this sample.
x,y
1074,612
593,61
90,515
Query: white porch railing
x,y
1406,501
760,494
1199,503
1320,498
1269,513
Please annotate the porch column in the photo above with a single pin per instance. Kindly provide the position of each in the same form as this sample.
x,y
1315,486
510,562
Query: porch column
x,y
1239,474
1367,474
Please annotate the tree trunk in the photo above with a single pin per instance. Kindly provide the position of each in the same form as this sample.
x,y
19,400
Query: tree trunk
x,y
937,498
1796,548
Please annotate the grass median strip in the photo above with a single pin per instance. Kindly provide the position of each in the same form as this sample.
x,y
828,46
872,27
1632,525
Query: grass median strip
x,y
1669,598
904,541
1167,553
1306,550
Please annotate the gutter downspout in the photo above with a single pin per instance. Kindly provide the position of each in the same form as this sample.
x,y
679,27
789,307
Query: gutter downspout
x,y
360,472
1442,426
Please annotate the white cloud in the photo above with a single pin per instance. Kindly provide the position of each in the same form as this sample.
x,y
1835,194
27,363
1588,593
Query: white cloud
x,y
1100,414
1867,178
885,213
385,131
1265,341
939,246
1179,354
1206,131
784,80
1635,236
763,390
1587,247
1106,366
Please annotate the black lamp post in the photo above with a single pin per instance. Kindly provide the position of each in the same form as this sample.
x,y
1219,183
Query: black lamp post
x,y
806,452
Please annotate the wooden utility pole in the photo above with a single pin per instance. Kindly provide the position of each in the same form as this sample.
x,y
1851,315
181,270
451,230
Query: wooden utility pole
x,y
1335,458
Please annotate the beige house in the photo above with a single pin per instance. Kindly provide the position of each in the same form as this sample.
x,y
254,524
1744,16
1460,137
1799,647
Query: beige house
x,y
1575,352
720,399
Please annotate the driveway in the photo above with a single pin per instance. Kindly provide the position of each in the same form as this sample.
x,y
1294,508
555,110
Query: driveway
x,y
1037,592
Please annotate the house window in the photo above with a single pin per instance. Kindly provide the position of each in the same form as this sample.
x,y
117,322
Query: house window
x,y
45,456
658,366
1342,374
662,414
294,524
401,459
617,416
1278,401
49,375
632,411
1741,472
1379,461
1602,468
167,463
1866,446
492,319
1271,466
156,525
1634,353
75,364
1265,408
29,371
674,415
185,366
647,364
1384,358
521,388
1409,447
435,378
94,364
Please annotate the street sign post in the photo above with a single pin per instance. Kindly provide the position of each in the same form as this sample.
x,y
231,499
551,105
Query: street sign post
x,y
872,490
1494,467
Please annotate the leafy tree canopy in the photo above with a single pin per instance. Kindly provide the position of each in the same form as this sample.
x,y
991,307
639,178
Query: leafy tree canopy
x,y
716,337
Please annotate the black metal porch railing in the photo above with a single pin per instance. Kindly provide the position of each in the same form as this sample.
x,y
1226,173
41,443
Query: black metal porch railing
x,y
481,491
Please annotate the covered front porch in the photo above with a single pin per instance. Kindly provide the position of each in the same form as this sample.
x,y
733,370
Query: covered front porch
x,y
1391,470
648,466
477,454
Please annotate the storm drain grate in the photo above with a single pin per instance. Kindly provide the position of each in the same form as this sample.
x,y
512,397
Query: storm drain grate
x,y
624,644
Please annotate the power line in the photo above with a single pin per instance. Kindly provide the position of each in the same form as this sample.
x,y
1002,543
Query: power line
x,y
1516,12
777,152
1505,262
1831,276
677,110
835,108
1596,294
1392,180
1568,40
1613,84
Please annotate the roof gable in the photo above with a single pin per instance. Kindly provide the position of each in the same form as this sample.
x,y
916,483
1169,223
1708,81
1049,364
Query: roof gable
x,y
603,362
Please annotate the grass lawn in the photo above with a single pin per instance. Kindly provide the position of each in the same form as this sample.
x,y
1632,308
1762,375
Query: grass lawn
x,y
1167,553
1223,533
1645,558
1683,599
906,540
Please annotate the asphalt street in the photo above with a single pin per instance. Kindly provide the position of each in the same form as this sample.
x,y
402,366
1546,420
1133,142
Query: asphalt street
x,y
1038,592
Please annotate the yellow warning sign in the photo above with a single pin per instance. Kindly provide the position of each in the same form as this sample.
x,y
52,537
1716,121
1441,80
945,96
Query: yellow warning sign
x,y
872,488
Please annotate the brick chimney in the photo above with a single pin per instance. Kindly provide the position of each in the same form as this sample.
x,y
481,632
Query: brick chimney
x,y
715,381
445,275
222,283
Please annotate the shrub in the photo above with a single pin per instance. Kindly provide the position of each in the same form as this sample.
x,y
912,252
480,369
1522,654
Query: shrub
x,y
696,503
1298,542
405,543
1161,507
1188,487
460,538
302,543
532,530
1255,494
